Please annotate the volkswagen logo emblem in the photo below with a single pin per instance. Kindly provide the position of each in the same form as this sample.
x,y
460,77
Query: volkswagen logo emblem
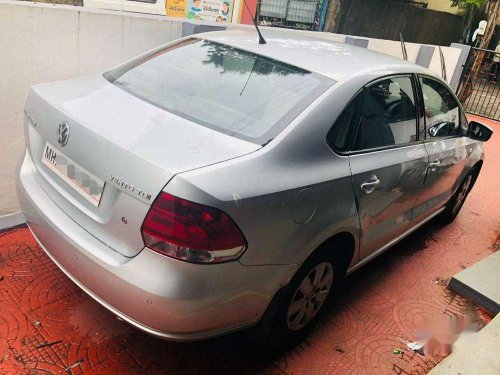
x,y
63,134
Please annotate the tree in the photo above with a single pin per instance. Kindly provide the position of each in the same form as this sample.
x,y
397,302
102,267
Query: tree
x,y
492,10
464,3
470,7
331,23
493,13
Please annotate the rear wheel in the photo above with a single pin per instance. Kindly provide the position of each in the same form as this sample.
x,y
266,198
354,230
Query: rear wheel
x,y
457,201
310,289
310,296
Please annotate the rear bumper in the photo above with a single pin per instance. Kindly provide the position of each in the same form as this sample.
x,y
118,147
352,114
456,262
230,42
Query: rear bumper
x,y
166,298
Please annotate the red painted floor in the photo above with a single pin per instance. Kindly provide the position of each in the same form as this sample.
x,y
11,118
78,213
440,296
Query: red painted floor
x,y
47,325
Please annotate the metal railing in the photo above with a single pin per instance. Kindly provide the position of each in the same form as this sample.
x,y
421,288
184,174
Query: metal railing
x,y
291,14
479,88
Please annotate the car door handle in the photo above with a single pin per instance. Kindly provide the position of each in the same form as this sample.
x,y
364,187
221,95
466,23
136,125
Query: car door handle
x,y
434,164
369,186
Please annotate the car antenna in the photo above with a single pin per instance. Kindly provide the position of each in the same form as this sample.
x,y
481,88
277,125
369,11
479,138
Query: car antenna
x,y
443,64
403,46
261,38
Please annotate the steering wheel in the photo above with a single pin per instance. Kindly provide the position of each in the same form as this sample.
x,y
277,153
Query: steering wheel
x,y
393,108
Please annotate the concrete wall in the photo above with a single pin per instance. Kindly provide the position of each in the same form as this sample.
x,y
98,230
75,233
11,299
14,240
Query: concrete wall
x,y
385,19
424,55
41,43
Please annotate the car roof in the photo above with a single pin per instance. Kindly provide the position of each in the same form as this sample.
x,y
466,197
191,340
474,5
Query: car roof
x,y
313,52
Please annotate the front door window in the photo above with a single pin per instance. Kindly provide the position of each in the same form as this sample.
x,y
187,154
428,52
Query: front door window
x,y
442,111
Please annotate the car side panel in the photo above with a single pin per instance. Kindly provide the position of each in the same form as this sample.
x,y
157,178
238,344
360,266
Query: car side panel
x,y
288,197
456,156
386,212
282,226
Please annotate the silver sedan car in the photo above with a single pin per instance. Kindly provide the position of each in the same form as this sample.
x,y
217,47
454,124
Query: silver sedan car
x,y
214,183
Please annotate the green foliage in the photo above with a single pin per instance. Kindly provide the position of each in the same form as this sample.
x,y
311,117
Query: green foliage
x,y
465,3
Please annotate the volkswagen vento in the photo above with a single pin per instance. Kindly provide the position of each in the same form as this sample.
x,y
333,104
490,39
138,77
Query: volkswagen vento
x,y
215,183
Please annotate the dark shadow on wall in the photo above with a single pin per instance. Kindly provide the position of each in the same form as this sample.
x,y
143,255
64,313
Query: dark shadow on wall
x,y
385,19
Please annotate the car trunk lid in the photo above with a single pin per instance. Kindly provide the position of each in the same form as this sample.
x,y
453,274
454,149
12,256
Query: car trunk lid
x,y
117,141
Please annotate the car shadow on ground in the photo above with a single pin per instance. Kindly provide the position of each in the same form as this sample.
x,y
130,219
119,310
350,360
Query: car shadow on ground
x,y
237,353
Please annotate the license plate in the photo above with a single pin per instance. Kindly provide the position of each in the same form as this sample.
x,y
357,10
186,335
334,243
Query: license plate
x,y
85,183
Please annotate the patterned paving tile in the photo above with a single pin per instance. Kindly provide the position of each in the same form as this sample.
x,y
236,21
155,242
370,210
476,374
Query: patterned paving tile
x,y
49,326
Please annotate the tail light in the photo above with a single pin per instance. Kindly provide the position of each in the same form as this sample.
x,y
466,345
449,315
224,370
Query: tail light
x,y
191,232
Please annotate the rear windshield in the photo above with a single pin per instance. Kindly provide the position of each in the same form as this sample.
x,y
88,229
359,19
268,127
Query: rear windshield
x,y
221,87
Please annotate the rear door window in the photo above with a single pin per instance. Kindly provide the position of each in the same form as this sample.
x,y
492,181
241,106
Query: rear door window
x,y
222,87
388,114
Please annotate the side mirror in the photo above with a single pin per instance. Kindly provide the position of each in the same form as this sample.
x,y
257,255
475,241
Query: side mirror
x,y
479,132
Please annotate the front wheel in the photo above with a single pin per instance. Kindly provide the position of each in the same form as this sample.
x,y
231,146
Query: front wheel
x,y
457,201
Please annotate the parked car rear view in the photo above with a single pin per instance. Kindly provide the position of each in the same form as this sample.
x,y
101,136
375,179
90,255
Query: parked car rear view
x,y
216,184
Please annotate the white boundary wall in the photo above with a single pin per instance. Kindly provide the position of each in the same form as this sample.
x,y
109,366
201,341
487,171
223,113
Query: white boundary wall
x,y
45,42
424,55
42,43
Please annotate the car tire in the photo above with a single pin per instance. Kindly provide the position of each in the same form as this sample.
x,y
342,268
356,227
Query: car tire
x,y
457,201
309,291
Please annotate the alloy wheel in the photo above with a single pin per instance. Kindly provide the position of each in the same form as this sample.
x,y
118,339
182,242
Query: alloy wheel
x,y
310,296
462,194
